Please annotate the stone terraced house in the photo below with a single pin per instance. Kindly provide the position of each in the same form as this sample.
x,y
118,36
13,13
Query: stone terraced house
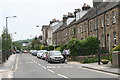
x,y
102,21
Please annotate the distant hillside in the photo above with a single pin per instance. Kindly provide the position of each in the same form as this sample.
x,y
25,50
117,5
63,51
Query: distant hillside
x,y
24,41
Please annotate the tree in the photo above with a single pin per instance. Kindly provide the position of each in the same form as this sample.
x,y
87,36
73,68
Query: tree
x,y
6,44
35,44
83,47
92,44
6,40
74,45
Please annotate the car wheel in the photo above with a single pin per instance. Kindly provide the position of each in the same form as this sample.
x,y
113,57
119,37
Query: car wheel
x,y
48,61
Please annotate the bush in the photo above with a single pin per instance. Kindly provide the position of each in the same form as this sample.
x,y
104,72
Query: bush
x,y
58,48
50,47
92,44
117,48
90,60
74,45
42,47
83,47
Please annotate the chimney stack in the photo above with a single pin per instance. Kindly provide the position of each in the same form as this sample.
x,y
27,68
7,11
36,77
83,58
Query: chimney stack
x,y
54,20
97,2
85,7
70,15
64,18
76,11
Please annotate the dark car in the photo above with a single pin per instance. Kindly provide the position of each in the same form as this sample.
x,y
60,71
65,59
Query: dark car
x,y
17,51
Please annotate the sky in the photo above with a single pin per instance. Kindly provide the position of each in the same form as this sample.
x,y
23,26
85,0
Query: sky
x,y
31,13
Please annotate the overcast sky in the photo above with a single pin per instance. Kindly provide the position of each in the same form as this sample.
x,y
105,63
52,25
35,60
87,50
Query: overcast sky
x,y
34,12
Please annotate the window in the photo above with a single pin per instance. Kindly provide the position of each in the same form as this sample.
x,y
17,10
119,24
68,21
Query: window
x,y
115,42
78,29
102,22
107,19
81,29
74,31
85,28
90,26
103,41
95,25
113,17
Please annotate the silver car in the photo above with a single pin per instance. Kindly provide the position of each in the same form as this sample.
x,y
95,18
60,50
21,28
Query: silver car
x,y
55,56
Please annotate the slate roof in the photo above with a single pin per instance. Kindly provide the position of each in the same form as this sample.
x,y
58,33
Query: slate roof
x,y
103,7
60,28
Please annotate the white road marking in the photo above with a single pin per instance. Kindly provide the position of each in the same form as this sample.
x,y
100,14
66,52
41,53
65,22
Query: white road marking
x,y
51,71
58,66
62,76
39,64
44,67
101,72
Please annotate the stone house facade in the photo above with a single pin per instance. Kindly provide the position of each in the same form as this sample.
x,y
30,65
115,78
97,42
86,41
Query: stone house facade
x,y
102,20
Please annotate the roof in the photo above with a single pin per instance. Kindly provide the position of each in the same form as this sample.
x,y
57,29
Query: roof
x,y
60,28
103,7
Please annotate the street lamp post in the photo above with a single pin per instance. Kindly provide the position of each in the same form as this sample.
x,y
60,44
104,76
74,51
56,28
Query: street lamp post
x,y
7,20
98,37
7,55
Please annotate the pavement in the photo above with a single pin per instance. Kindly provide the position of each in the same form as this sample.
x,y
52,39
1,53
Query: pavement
x,y
102,67
10,65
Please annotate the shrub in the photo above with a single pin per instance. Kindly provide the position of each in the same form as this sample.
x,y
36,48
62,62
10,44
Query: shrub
x,y
42,47
92,44
50,47
58,48
74,45
117,48
63,47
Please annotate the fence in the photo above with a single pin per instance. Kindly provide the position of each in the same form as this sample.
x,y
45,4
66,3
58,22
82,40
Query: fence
x,y
4,56
0,56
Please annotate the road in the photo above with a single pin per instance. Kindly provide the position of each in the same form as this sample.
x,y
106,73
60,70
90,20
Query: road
x,y
29,66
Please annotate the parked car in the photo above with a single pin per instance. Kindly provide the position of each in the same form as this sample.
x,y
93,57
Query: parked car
x,y
31,51
17,51
34,53
40,53
44,56
55,56
25,51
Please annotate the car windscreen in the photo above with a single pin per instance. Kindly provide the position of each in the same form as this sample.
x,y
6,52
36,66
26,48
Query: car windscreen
x,y
42,51
55,53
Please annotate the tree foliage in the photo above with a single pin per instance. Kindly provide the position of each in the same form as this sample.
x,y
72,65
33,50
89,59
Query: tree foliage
x,y
35,44
6,40
83,47
74,45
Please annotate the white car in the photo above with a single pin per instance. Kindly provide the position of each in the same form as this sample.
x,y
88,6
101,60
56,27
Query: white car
x,y
40,53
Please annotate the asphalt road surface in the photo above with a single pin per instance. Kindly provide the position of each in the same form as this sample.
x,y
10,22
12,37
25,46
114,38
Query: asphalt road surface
x,y
29,66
